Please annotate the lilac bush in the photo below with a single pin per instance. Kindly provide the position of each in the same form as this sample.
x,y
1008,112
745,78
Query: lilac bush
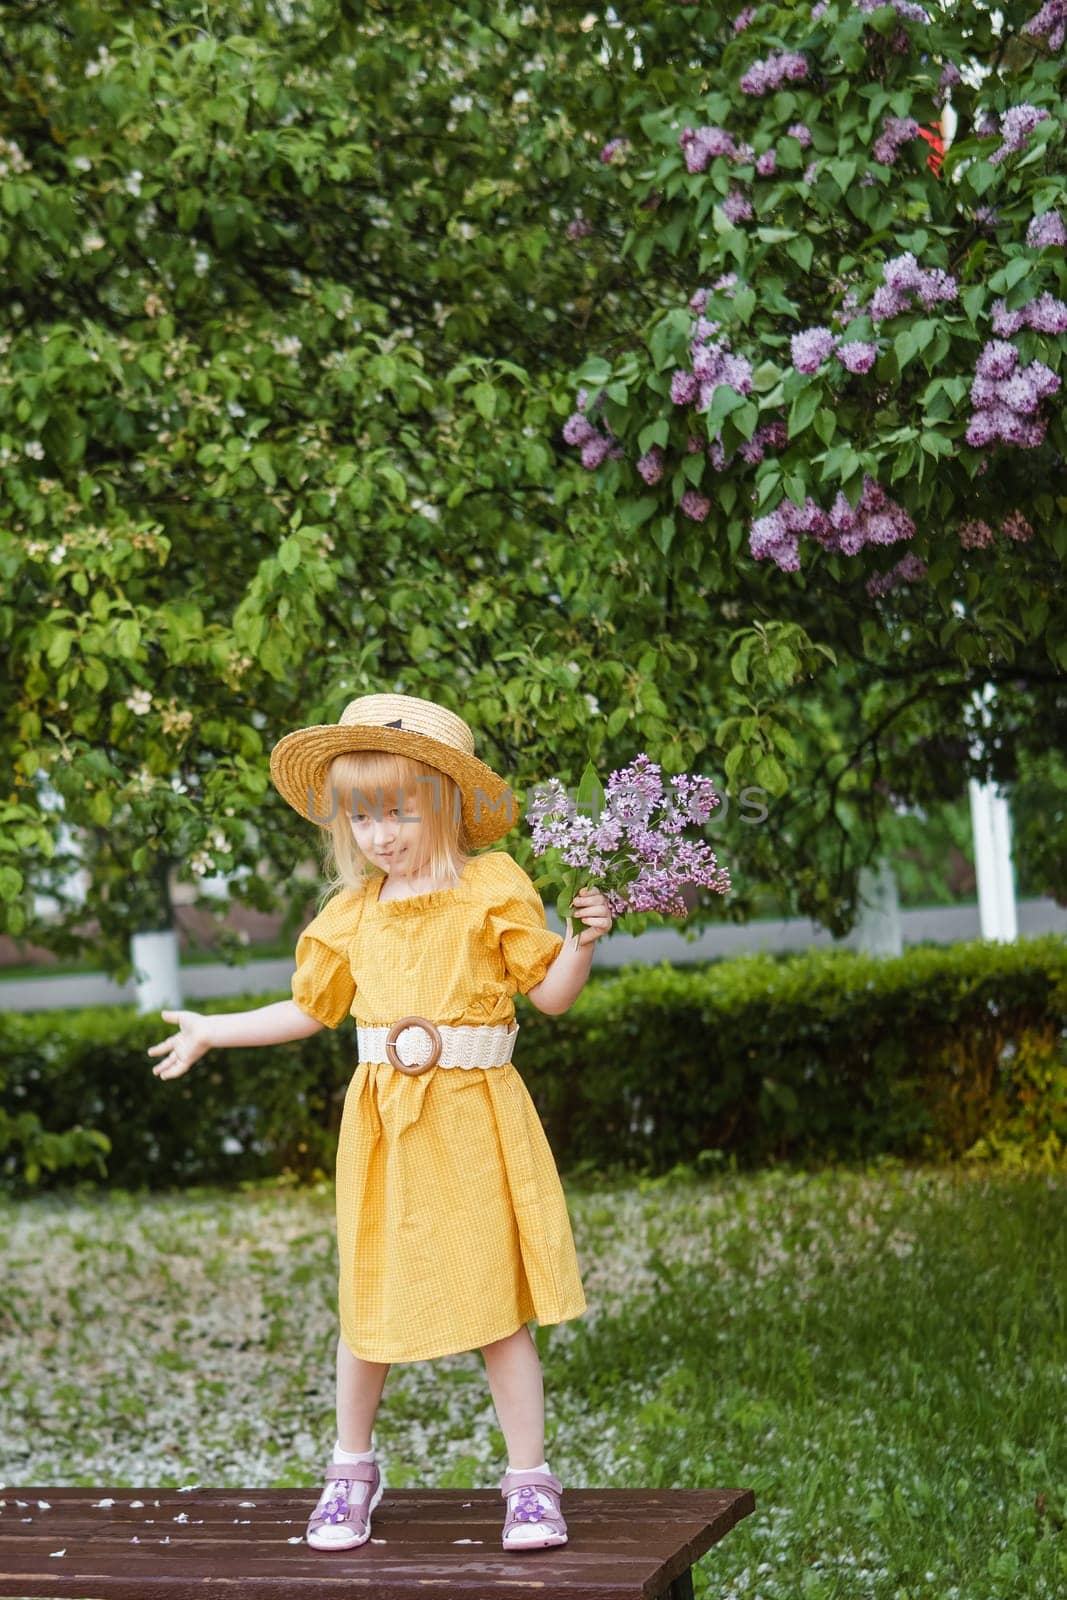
x,y
871,357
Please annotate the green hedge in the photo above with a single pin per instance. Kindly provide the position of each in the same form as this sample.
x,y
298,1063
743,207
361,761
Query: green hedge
x,y
943,1052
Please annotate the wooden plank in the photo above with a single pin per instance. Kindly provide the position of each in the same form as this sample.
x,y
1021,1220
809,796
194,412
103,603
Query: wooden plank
x,y
173,1545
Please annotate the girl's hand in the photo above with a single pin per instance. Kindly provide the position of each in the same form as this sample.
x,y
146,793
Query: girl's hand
x,y
591,907
184,1047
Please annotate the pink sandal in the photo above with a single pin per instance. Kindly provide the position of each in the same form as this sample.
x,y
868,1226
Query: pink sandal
x,y
336,1509
526,1509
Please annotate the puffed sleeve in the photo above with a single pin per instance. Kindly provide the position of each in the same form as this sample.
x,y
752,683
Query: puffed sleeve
x,y
516,924
322,984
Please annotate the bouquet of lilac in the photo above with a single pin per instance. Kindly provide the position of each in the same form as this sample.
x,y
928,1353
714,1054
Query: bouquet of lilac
x,y
630,847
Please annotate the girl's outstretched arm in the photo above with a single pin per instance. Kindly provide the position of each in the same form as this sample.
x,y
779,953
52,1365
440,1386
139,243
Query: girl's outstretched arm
x,y
197,1033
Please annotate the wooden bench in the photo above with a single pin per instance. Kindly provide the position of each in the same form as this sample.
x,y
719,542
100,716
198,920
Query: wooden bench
x,y
174,1544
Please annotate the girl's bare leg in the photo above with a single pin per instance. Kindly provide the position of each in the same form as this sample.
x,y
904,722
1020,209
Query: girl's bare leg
x,y
517,1386
359,1390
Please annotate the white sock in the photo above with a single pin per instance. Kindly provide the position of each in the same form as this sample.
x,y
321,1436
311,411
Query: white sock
x,y
544,1467
344,1457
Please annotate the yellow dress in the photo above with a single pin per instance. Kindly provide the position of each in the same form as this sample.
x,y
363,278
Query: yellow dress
x,y
452,1226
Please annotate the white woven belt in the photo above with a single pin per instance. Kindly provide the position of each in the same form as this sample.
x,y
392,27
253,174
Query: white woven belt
x,y
414,1044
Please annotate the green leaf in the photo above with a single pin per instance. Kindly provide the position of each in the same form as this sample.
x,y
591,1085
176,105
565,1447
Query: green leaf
x,y
803,410
263,467
484,396
289,555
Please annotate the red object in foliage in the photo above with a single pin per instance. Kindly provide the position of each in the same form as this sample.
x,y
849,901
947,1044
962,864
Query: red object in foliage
x,y
932,135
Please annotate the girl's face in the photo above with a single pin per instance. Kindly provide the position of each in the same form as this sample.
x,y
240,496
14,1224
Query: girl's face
x,y
388,831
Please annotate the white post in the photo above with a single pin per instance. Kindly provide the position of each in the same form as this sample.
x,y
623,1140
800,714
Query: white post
x,y
878,929
991,825
157,970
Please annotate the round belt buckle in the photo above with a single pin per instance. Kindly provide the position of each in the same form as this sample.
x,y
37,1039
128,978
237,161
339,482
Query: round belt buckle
x,y
397,1029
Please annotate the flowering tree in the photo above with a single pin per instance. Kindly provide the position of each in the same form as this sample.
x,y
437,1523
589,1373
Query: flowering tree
x,y
852,374
290,302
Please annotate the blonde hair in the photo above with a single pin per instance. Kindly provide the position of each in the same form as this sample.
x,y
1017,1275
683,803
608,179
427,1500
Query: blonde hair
x,y
365,776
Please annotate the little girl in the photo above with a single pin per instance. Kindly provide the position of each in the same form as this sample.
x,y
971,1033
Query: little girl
x,y
452,1226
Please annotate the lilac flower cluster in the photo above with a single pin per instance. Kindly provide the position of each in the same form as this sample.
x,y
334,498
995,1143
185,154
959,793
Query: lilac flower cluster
x,y
635,848
896,131
701,145
857,355
978,535
1046,229
876,520
1046,314
801,133
1050,24
579,228
1015,526
1006,397
784,66
737,207
903,277
903,8
817,10
694,506
698,300
1015,130
713,364
744,19
767,163
909,569
650,465
813,346
769,434
578,430
614,152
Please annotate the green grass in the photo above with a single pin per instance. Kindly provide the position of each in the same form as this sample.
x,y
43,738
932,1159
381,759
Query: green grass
x,y
879,1353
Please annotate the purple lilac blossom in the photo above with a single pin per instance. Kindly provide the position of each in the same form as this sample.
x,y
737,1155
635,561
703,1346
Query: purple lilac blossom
x,y
701,145
781,66
817,10
650,465
811,172
698,301
579,228
975,535
737,207
903,276
578,429
857,355
594,451
801,133
771,433
895,132
694,506
1045,314
766,163
1015,526
1050,23
1015,129
811,348
903,8
744,18
909,569
1046,229
684,387
1006,397
614,148
725,285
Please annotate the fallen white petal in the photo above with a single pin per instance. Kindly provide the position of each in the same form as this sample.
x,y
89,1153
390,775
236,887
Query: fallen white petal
x,y
44,1505
183,1516
58,1552
103,1502
468,1541
134,1504
246,1503
186,1488
297,1538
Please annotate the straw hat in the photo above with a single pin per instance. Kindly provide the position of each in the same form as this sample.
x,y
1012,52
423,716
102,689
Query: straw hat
x,y
300,762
